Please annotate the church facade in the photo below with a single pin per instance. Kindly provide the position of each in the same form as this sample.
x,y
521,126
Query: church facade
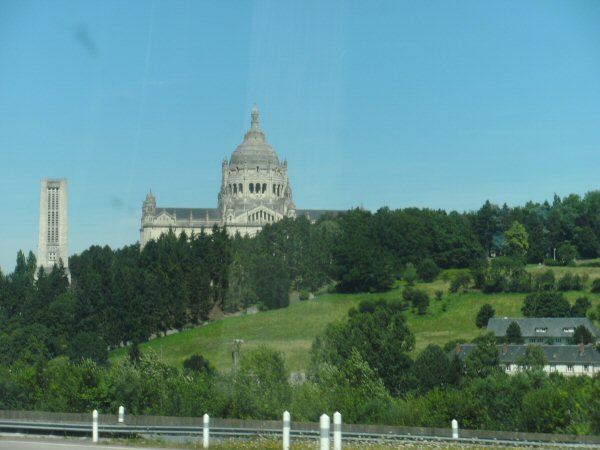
x,y
255,190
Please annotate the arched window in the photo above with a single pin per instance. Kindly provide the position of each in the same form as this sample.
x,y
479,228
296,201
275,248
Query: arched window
x,y
251,187
257,188
264,188
241,188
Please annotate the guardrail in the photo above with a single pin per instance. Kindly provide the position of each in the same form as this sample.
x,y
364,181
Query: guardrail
x,y
109,425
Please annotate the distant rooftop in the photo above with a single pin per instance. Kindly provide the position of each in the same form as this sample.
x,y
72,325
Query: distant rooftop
x,y
542,326
555,354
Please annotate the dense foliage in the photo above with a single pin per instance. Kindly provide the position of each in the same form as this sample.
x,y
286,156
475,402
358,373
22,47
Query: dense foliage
x,y
55,335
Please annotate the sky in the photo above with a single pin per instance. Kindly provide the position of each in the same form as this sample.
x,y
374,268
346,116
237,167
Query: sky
x,y
432,104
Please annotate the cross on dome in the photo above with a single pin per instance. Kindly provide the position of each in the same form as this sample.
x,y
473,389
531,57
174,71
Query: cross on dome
x,y
254,117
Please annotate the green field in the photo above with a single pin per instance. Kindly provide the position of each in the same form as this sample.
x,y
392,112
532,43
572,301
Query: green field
x,y
292,330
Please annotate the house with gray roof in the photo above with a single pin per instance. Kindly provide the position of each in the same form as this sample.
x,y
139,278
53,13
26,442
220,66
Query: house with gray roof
x,y
542,330
568,360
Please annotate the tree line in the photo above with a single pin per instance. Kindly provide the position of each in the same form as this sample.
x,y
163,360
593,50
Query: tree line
x,y
128,295
360,366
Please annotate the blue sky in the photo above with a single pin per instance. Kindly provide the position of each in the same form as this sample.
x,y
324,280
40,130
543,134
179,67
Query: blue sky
x,y
389,103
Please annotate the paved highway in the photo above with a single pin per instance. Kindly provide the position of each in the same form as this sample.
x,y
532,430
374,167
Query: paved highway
x,y
16,443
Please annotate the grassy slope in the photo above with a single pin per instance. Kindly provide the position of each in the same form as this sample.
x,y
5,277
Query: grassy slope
x,y
292,330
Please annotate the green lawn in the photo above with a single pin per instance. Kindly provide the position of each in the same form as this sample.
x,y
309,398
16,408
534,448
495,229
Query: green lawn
x,y
292,330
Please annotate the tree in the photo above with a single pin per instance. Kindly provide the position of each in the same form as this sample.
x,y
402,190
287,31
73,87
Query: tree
x,y
410,274
545,281
486,312
586,242
86,345
506,274
378,331
566,253
362,264
198,364
418,298
272,283
581,335
484,359
428,270
545,410
354,388
595,285
487,224
460,280
570,282
580,307
513,333
533,359
546,304
517,240
431,368
261,389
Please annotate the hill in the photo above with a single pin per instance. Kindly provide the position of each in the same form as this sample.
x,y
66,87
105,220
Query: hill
x,y
292,330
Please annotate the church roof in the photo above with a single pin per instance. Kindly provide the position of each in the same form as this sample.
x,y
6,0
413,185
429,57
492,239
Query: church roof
x,y
315,214
191,213
254,151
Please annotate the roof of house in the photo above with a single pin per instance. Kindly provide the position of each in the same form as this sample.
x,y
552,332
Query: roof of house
x,y
542,326
555,354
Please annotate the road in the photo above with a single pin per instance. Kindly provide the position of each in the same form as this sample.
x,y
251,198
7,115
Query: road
x,y
17,443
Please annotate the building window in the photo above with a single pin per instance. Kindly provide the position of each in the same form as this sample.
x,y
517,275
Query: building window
x,y
552,367
568,330
541,330
569,367
586,368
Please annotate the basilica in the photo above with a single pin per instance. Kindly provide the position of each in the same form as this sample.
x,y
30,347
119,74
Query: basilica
x,y
255,190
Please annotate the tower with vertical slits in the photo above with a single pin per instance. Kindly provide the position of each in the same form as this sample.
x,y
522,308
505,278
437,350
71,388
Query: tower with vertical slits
x,y
53,230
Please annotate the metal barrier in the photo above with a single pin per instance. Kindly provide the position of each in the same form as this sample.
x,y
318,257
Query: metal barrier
x,y
206,429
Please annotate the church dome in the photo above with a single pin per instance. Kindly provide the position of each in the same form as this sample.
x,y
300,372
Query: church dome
x,y
254,151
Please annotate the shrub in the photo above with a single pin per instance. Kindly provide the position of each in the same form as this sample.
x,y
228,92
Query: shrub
x,y
546,304
197,363
410,274
304,294
418,298
581,335
428,270
461,279
570,282
596,285
513,334
580,308
552,262
486,312
544,281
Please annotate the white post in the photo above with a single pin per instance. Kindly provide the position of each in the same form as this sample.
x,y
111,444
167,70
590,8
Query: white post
x,y
337,431
121,414
205,421
454,429
286,430
324,424
95,426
